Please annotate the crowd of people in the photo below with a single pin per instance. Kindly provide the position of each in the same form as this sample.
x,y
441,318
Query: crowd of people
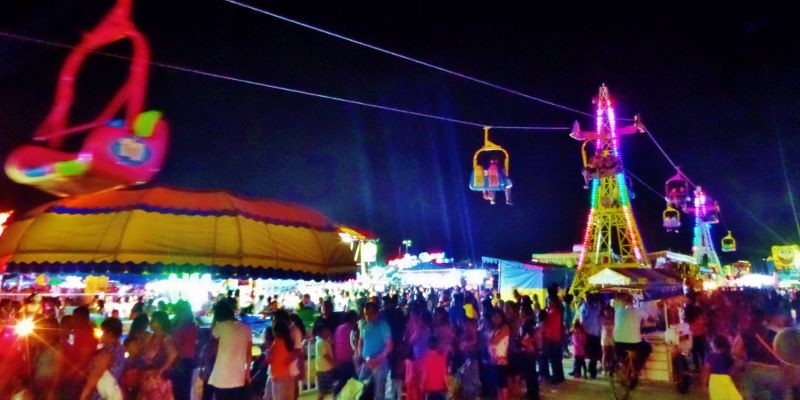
x,y
734,344
65,356
425,344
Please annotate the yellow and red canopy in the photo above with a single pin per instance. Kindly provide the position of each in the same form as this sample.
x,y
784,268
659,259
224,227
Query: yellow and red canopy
x,y
165,230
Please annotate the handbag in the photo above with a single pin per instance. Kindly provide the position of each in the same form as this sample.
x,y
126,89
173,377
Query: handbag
x,y
352,390
130,379
154,386
108,388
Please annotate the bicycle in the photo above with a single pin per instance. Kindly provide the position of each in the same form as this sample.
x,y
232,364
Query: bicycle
x,y
680,373
624,376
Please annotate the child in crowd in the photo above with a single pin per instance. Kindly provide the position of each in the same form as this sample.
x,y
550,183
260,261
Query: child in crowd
x,y
281,385
531,345
579,350
717,371
433,374
607,338
324,361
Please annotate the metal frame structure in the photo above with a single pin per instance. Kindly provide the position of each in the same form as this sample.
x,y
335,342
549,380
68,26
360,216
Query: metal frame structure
x,y
611,238
702,244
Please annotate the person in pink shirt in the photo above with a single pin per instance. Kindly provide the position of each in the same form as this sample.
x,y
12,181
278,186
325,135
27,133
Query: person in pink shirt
x,y
433,374
579,350
343,350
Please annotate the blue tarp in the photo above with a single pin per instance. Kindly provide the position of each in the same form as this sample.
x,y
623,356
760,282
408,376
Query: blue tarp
x,y
522,276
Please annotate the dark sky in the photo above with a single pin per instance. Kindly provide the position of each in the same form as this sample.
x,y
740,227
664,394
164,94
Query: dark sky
x,y
717,86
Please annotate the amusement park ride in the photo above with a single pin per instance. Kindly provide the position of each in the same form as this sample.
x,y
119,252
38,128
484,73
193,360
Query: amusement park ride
x,y
706,212
116,152
123,152
489,175
611,238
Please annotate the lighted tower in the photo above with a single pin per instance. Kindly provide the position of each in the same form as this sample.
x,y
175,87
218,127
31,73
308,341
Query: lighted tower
x,y
706,213
611,238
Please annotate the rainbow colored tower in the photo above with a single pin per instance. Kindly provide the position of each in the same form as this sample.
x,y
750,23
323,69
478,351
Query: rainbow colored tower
x,y
706,213
611,238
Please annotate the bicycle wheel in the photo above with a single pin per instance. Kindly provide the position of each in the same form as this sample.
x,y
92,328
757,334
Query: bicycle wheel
x,y
621,379
681,377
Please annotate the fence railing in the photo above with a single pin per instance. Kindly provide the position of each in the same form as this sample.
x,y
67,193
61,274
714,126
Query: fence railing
x,y
309,383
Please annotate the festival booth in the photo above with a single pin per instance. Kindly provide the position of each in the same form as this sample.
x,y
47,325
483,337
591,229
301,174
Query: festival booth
x,y
529,279
189,238
660,294
441,276
757,281
683,265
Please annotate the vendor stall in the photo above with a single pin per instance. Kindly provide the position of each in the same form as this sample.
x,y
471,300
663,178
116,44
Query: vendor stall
x,y
529,279
433,275
660,294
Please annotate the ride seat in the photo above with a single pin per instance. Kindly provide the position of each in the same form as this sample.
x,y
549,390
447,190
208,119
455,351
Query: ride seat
x,y
112,156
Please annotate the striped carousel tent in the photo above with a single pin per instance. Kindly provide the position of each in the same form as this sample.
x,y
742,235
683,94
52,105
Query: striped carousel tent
x,y
165,230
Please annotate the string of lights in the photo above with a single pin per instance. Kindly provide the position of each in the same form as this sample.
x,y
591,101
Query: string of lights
x,y
294,91
407,58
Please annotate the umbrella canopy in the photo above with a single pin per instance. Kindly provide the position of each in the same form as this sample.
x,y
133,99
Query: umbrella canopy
x,y
653,283
166,230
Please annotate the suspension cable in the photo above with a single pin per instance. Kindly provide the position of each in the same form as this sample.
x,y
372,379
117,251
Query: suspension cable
x,y
657,193
669,159
407,58
291,90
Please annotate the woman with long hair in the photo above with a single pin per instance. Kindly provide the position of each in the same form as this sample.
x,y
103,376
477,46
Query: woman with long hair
x,y
184,336
139,327
498,340
282,384
418,330
110,357
159,356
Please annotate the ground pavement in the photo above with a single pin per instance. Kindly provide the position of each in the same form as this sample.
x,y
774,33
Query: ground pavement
x,y
600,389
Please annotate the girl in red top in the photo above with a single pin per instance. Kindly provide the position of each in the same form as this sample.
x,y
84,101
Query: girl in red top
x,y
433,374
279,358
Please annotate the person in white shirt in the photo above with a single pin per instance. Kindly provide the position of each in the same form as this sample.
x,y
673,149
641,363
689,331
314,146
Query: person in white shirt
x,y
231,371
628,330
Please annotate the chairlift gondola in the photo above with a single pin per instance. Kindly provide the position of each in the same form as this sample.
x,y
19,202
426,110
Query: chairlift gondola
x,y
602,163
490,169
710,214
676,190
728,243
115,153
671,219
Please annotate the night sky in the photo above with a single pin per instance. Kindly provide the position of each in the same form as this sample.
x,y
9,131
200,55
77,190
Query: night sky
x,y
718,87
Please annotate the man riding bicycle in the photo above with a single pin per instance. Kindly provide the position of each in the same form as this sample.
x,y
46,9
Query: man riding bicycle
x,y
628,332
